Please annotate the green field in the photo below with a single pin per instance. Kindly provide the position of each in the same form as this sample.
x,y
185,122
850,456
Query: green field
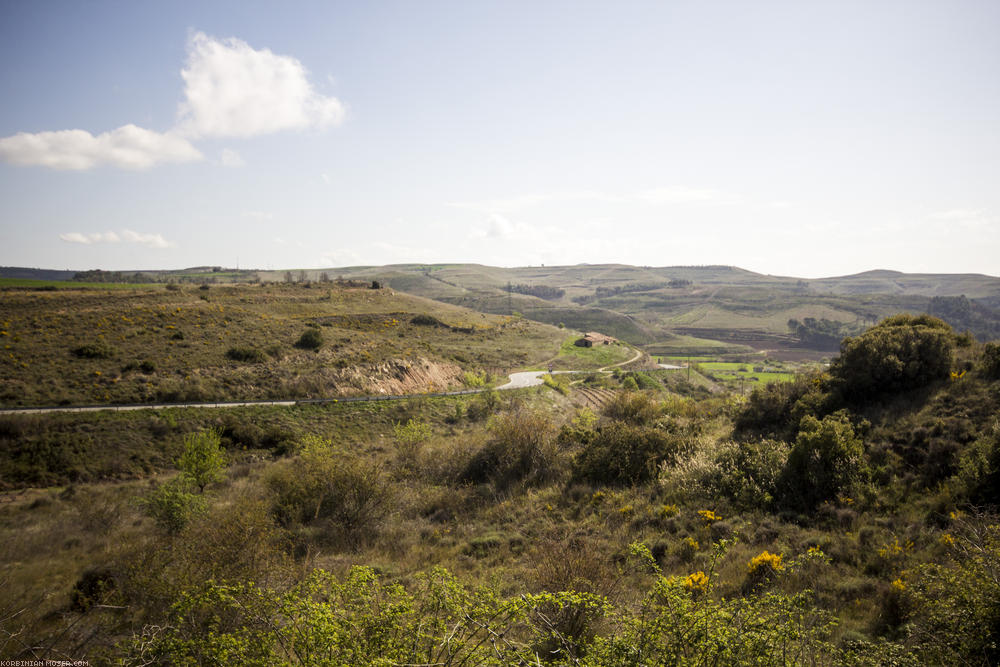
x,y
572,357
28,283
736,374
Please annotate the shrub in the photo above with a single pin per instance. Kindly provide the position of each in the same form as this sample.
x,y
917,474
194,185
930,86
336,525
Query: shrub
x,y
620,453
328,485
634,407
748,473
521,448
172,505
410,437
776,408
98,350
761,569
991,361
956,606
827,458
898,354
426,321
248,354
311,339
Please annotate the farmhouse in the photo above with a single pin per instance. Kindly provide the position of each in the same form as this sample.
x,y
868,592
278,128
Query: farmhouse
x,y
592,338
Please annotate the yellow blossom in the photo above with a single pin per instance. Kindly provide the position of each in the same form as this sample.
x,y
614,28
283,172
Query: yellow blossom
x,y
765,560
696,582
708,516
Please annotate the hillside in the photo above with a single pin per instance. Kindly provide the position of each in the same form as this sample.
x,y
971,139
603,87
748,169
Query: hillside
x,y
244,342
653,305
841,518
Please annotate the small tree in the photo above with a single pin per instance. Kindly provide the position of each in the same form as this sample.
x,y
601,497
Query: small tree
x,y
203,458
172,505
828,458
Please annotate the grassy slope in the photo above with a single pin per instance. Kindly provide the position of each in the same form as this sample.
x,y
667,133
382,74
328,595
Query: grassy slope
x,y
184,335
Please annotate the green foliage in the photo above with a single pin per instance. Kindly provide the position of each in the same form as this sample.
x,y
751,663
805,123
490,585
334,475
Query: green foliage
x,y
360,620
474,379
311,339
327,486
633,407
521,449
203,459
991,361
98,350
776,408
629,384
172,505
747,473
979,469
248,354
559,385
622,453
898,354
827,458
956,616
413,432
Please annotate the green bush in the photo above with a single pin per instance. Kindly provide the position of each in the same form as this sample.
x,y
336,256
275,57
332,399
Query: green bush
x,y
991,361
621,453
247,354
776,408
634,407
172,505
956,605
748,472
521,449
327,485
311,339
99,350
828,458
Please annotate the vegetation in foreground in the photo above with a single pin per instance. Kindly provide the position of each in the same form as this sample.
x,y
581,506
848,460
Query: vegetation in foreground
x,y
841,518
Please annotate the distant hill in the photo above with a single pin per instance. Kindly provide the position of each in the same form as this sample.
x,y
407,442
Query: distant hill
x,y
659,306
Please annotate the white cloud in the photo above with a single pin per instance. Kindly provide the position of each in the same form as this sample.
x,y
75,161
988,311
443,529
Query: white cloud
x,y
230,158
233,90
127,235
148,240
128,147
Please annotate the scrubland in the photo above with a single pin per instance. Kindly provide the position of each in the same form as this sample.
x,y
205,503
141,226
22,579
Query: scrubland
x,y
634,518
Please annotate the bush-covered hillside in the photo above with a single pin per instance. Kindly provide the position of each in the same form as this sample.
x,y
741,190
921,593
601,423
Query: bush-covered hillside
x,y
846,518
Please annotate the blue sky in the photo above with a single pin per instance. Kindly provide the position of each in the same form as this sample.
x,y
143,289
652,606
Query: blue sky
x,y
808,139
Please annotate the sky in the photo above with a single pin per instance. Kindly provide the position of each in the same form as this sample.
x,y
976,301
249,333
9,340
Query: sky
x,y
795,138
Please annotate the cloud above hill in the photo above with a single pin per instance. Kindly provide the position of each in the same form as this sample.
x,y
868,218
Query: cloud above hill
x,y
231,90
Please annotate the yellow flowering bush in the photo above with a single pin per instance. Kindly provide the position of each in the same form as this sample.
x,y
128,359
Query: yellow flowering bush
x,y
709,516
765,561
696,582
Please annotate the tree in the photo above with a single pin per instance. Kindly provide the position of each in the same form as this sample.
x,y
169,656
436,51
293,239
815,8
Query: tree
x,y
828,458
899,353
203,458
